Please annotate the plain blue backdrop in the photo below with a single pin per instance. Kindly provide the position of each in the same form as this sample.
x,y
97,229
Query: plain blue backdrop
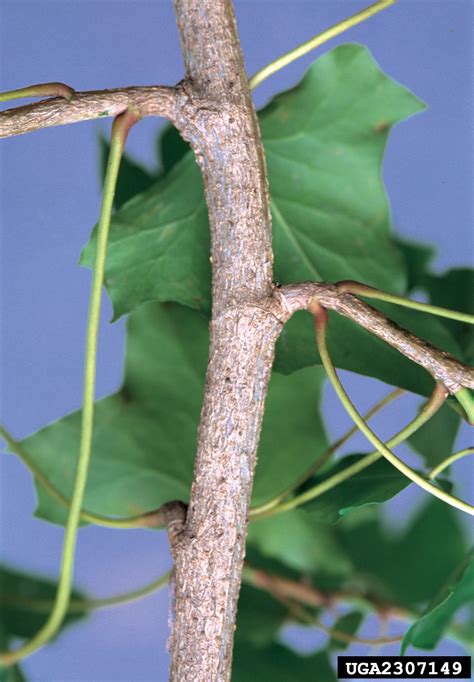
x,y
50,201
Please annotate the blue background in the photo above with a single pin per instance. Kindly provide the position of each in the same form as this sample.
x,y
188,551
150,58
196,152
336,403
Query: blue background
x,y
50,201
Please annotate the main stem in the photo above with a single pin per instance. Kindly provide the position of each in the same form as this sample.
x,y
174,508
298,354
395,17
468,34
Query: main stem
x,y
224,134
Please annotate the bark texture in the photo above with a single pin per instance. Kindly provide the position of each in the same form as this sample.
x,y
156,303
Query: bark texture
x,y
149,101
442,366
216,115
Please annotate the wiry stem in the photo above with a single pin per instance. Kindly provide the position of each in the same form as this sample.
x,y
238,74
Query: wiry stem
x,y
466,400
432,406
120,130
39,90
321,320
83,605
351,287
442,366
318,40
300,613
303,592
326,456
450,460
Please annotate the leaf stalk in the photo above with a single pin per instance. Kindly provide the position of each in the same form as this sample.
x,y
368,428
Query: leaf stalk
x,y
120,129
430,408
316,41
321,322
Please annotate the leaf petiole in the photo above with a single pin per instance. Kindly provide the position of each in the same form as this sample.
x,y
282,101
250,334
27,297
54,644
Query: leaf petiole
x,y
358,289
316,41
430,408
321,320
82,605
450,460
326,456
39,90
120,129
466,400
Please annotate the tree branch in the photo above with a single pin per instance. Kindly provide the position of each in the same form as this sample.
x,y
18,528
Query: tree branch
x,y
442,366
150,101
216,114
213,110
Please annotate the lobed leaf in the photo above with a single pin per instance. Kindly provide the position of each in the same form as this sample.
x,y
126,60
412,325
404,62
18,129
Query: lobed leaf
x,y
377,483
301,543
324,143
159,245
407,567
145,435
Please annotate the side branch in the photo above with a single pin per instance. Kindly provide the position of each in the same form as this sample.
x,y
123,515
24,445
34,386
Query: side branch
x,y
442,366
151,100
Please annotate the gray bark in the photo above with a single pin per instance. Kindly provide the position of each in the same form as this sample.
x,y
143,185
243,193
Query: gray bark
x,y
224,134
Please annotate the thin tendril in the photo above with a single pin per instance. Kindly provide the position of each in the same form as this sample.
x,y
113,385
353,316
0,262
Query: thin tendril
x,y
430,408
320,316
120,129
318,40
449,460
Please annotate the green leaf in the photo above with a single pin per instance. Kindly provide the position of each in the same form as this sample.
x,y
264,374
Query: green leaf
x,y
145,435
454,290
324,143
296,540
159,245
171,147
293,434
427,631
450,290
26,601
279,664
377,483
259,616
418,257
132,178
435,439
349,624
408,567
